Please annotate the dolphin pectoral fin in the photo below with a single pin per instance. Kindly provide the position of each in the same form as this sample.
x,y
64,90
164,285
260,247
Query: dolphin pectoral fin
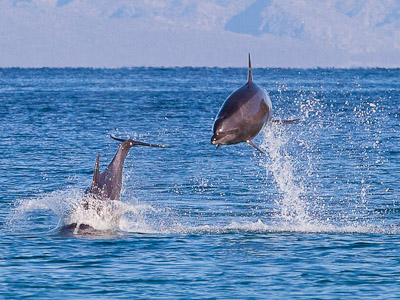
x,y
137,143
251,143
284,122
217,146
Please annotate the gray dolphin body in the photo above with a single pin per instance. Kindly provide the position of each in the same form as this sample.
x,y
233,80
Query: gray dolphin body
x,y
108,184
242,116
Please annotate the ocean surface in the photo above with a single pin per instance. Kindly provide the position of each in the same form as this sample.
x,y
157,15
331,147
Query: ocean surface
x,y
318,217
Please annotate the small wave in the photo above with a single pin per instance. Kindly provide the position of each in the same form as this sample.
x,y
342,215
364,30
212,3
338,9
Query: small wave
x,y
260,227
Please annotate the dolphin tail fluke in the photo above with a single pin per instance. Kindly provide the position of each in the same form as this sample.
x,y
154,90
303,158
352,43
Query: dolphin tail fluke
x,y
250,72
137,143
251,143
283,122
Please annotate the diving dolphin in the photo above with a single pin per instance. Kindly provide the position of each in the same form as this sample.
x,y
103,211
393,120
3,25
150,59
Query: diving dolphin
x,y
242,116
108,184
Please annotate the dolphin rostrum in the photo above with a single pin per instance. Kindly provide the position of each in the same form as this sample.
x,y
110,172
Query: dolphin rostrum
x,y
242,116
108,184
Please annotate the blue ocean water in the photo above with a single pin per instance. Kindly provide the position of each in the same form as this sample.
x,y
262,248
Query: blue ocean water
x,y
318,217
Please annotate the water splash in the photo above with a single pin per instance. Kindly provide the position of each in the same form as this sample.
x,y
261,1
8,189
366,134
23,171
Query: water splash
x,y
101,215
291,208
307,179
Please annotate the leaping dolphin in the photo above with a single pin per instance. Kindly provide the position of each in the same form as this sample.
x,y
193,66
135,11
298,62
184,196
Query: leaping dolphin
x,y
242,116
108,184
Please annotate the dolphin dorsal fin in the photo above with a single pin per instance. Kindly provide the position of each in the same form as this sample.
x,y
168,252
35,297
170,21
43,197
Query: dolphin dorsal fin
x,y
250,73
96,173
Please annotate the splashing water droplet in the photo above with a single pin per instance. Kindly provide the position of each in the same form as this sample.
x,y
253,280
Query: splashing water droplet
x,y
291,207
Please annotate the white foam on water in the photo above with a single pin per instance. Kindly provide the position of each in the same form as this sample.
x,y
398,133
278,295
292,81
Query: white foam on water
x,y
263,228
101,215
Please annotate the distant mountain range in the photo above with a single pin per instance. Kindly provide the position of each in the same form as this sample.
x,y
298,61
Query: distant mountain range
x,y
287,33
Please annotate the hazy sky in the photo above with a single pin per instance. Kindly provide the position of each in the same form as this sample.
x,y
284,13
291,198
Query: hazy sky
x,y
278,33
